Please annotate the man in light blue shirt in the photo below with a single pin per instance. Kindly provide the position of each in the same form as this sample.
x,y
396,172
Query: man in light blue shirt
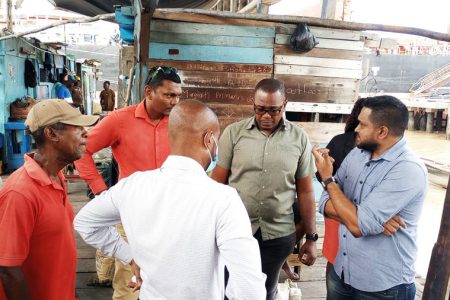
x,y
377,196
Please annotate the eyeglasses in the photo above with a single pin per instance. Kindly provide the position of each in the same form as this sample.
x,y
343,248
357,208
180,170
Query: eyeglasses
x,y
273,111
155,71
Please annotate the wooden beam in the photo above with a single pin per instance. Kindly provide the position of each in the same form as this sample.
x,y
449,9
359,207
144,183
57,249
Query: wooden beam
x,y
213,67
310,21
105,17
439,269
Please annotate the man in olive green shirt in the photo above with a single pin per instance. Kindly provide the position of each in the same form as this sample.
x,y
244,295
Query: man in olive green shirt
x,y
268,160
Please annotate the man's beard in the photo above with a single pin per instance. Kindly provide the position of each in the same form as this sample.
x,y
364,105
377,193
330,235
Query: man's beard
x,y
368,146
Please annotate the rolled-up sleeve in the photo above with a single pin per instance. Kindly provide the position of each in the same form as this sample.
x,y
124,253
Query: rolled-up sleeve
x,y
96,224
403,184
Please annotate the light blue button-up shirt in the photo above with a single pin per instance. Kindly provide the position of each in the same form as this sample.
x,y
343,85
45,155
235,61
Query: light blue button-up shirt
x,y
393,184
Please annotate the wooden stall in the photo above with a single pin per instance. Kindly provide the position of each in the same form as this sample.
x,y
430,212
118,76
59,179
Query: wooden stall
x,y
219,64
222,59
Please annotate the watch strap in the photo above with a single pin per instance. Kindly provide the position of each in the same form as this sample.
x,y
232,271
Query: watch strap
x,y
312,236
327,181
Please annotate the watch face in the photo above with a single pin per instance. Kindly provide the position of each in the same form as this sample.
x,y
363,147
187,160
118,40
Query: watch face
x,y
312,236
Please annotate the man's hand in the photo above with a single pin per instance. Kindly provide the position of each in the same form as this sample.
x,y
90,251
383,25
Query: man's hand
x,y
393,225
324,162
135,286
308,253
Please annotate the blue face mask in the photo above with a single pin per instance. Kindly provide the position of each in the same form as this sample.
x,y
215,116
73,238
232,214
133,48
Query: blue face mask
x,y
214,160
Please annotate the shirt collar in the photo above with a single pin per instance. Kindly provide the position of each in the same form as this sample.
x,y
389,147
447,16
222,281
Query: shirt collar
x,y
141,112
252,124
393,152
183,163
36,172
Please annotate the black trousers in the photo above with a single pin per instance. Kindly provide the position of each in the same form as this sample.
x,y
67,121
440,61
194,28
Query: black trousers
x,y
273,255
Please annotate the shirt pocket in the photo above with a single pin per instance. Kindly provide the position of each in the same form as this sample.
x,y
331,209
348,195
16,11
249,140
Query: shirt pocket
x,y
287,158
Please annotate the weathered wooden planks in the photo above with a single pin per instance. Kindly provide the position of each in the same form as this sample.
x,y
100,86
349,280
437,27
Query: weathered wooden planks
x,y
283,39
220,64
320,32
319,89
220,79
320,53
214,67
209,39
211,53
318,62
317,71
211,29
218,95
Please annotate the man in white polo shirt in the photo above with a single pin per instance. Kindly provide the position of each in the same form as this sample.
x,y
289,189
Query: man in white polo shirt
x,y
182,226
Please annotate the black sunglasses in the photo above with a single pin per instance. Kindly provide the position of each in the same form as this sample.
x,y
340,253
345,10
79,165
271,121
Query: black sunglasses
x,y
273,111
155,71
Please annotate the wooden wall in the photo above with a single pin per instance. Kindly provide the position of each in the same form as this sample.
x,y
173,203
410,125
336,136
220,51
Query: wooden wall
x,y
221,60
219,64
329,73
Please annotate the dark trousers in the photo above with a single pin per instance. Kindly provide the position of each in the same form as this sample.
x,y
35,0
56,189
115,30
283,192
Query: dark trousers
x,y
338,290
273,254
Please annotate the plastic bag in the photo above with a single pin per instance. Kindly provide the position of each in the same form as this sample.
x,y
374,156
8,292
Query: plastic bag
x,y
302,40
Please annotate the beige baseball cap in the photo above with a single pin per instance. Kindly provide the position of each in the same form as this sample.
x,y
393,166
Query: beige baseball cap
x,y
52,111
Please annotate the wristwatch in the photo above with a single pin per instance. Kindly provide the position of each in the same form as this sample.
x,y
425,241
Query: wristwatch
x,y
326,182
312,236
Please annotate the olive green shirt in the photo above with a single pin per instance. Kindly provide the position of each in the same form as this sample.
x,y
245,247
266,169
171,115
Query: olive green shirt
x,y
264,170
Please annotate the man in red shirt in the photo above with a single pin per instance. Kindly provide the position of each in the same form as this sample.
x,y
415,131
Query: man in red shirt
x,y
138,137
38,251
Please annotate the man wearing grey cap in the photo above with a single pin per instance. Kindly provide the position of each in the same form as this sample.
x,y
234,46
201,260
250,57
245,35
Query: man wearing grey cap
x,y
38,255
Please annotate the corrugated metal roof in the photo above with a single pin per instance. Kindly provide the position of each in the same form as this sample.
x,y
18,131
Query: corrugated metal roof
x,y
98,7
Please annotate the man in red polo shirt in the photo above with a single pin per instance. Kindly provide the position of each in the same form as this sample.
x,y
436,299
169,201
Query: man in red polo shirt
x,y
138,137
38,251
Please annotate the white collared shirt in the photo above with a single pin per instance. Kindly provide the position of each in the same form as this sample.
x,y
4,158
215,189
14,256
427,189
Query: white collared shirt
x,y
182,228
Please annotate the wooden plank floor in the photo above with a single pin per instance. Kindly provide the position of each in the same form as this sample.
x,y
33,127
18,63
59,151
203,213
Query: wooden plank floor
x,y
85,254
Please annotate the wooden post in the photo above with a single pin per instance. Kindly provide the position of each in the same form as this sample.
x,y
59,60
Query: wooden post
x,y
430,121
423,120
411,120
447,132
316,117
439,269
439,120
142,43
9,18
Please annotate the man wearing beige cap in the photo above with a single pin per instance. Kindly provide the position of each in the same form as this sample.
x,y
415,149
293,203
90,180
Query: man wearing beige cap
x,y
38,255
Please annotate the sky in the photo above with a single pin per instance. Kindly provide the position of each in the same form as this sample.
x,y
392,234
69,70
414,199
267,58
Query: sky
x,y
425,14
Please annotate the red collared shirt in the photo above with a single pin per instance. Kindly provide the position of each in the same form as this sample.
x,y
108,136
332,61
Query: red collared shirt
x,y
36,232
136,142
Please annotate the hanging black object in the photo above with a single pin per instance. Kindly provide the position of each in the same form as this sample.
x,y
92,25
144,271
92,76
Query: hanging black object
x,y
302,40
30,74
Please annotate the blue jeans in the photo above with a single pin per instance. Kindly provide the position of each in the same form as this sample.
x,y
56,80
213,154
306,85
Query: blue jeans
x,y
338,290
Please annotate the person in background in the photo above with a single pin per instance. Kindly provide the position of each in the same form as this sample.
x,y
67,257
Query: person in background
x,y
138,137
38,250
77,95
107,97
268,160
181,225
339,146
63,91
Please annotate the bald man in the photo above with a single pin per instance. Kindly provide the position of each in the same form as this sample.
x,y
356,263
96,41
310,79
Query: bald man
x,y
182,226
